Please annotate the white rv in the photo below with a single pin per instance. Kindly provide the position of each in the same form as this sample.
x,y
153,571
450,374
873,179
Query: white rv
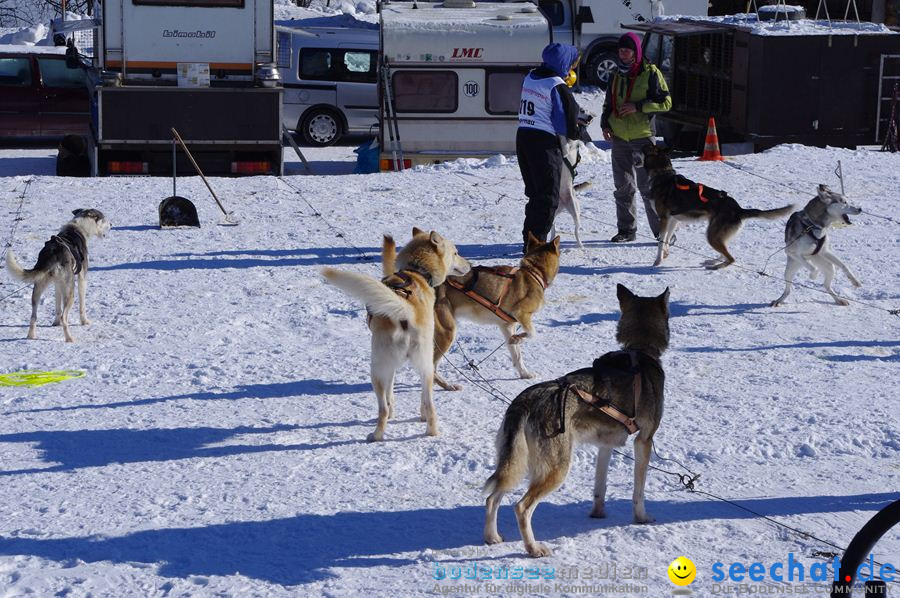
x,y
594,26
330,79
203,67
451,78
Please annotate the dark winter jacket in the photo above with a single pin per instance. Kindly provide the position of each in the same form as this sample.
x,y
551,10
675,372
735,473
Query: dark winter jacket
x,y
557,60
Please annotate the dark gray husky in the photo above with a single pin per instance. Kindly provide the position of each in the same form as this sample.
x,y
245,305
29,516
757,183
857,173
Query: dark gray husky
x,y
622,393
62,258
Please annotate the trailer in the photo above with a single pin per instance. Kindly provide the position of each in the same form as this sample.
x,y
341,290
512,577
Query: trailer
x,y
815,83
451,78
203,67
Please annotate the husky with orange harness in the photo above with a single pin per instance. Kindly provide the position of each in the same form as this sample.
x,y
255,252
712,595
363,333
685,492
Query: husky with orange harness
x,y
679,199
500,295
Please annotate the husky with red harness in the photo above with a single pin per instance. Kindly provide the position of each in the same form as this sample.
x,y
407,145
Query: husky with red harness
x,y
678,199
504,296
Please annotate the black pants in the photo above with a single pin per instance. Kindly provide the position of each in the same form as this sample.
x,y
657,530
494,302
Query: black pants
x,y
540,162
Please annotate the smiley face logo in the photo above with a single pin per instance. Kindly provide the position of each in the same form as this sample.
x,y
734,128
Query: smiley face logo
x,y
682,571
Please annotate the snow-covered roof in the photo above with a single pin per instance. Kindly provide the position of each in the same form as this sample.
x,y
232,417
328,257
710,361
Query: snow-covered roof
x,y
781,27
30,49
503,32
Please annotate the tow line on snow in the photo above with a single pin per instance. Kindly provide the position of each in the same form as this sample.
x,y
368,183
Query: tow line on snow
x,y
363,257
12,235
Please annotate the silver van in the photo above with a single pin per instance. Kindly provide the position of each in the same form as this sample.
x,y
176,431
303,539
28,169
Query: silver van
x,y
330,77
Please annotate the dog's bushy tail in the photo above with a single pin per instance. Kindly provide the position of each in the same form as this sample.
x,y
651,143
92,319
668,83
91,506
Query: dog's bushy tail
x,y
767,214
16,270
388,256
379,299
512,452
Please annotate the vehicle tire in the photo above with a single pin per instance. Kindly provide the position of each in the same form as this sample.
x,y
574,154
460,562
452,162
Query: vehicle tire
x,y
320,127
600,68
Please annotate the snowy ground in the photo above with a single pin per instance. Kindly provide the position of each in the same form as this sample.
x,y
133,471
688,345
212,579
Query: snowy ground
x,y
216,445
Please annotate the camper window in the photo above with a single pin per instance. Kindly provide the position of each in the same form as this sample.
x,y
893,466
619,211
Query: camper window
x,y
358,66
333,64
316,64
196,3
15,71
504,90
425,91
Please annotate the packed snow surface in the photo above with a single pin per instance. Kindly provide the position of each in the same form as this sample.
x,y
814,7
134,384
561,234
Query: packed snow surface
x,y
216,443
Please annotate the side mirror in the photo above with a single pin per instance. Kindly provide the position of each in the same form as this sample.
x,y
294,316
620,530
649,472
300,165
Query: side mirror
x,y
72,59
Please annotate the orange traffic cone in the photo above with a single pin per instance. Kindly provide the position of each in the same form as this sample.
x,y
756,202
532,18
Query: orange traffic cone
x,y
711,148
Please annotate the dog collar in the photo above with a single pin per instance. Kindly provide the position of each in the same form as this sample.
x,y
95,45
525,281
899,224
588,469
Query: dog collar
x,y
421,272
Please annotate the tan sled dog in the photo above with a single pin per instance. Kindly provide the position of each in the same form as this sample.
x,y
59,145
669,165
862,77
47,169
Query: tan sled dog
x,y
62,258
622,393
401,317
503,296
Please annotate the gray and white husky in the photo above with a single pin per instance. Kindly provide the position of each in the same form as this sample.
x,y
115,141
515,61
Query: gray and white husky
x,y
807,243
568,201
62,258
622,393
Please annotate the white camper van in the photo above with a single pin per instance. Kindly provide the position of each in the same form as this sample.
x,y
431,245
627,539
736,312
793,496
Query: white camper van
x,y
330,79
203,67
452,76
594,26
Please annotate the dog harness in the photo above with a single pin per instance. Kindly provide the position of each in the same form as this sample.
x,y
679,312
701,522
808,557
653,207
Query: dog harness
x,y
74,241
505,272
817,232
399,282
684,184
602,403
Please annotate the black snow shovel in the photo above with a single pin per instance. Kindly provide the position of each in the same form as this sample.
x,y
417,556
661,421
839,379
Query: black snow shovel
x,y
177,210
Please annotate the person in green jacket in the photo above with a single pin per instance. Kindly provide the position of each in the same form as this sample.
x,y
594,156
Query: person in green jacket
x,y
636,92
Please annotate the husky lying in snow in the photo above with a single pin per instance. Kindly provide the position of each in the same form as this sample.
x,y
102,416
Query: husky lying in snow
x,y
63,257
807,244
620,394
401,317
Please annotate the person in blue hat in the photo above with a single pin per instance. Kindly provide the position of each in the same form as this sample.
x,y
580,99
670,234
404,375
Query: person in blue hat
x,y
547,110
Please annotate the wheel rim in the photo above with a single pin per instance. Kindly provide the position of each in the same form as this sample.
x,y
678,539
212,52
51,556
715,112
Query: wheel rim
x,y
605,69
322,128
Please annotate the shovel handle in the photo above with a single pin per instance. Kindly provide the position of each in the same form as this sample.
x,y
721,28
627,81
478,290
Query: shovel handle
x,y
197,168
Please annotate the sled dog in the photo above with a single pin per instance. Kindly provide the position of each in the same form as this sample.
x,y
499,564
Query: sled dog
x,y
806,241
678,199
500,295
401,317
622,393
62,258
568,200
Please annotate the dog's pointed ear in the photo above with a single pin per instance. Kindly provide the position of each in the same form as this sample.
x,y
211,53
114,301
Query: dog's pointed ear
x,y
531,242
417,231
555,243
664,297
623,294
436,239
77,212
